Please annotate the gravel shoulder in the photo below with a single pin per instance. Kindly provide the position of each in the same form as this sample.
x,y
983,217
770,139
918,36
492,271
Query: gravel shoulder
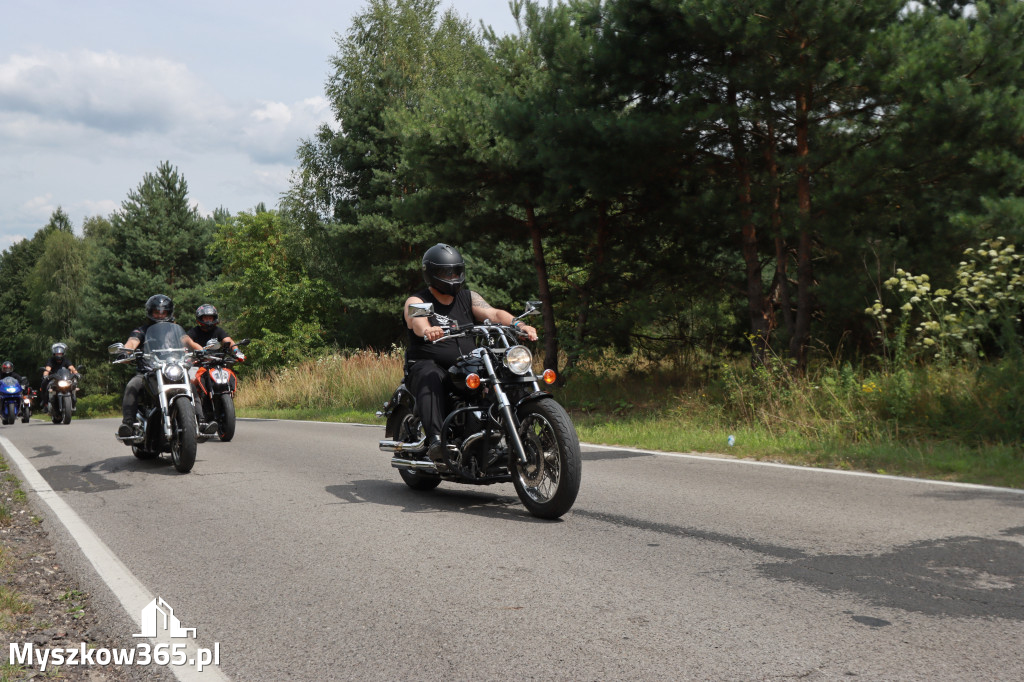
x,y
46,601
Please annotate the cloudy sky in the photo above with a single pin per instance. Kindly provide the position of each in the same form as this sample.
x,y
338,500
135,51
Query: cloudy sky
x,y
96,93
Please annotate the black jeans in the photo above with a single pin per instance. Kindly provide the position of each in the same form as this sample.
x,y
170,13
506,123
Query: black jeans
x,y
133,392
426,381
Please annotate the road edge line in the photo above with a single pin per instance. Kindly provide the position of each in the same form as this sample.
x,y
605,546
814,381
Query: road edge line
x,y
127,588
796,467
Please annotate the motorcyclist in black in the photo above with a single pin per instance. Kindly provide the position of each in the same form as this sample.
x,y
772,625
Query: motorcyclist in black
x,y
444,272
206,328
159,308
7,370
57,360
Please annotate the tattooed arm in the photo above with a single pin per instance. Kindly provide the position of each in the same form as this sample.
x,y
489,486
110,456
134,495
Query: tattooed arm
x,y
482,310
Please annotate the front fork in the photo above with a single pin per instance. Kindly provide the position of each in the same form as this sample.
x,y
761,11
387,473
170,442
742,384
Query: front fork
x,y
506,410
165,403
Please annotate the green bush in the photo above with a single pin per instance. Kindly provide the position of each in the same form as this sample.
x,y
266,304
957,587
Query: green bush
x,y
99,405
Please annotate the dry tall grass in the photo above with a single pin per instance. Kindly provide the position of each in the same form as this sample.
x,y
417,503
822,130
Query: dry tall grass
x,y
358,381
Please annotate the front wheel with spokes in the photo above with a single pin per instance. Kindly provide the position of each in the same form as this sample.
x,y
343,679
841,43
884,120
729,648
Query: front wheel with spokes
x,y
548,483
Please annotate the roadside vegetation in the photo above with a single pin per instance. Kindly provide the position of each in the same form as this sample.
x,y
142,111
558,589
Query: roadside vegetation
x,y
955,423
795,223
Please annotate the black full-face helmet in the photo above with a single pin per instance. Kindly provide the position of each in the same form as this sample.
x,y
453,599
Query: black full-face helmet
x,y
7,367
58,350
207,310
444,269
160,308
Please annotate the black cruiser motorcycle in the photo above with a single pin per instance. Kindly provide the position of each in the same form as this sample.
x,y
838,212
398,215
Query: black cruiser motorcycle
x,y
501,425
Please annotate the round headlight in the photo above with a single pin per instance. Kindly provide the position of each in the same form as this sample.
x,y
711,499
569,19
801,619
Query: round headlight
x,y
173,373
519,359
64,383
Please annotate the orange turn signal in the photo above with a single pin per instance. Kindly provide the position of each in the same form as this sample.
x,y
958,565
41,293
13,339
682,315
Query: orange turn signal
x,y
473,381
549,376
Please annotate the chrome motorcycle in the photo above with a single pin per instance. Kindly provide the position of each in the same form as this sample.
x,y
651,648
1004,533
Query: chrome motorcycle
x,y
501,425
166,412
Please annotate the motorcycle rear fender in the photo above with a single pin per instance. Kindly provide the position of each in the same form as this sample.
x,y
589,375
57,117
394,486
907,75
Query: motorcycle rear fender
x,y
401,397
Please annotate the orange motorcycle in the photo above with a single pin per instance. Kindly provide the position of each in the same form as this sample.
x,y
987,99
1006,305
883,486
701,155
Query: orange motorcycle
x,y
215,384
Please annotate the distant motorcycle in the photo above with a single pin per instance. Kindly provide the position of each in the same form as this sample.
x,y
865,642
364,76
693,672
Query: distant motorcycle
x,y
166,412
215,384
12,398
26,405
61,395
501,426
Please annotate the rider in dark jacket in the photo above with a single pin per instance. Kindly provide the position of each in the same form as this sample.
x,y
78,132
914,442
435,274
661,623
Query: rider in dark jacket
x,y
206,328
7,370
57,360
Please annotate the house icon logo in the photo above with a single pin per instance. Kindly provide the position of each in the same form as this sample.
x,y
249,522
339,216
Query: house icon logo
x,y
158,616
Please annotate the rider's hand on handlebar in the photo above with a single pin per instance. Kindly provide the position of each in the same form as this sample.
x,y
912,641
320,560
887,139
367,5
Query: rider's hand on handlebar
x,y
527,331
433,333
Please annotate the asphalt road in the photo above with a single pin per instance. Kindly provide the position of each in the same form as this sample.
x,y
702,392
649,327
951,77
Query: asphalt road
x,y
297,549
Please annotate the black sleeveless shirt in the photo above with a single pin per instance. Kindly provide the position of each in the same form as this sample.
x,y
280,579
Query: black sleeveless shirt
x,y
445,353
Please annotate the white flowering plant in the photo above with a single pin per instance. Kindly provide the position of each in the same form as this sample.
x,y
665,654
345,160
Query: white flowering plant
x,y
953,323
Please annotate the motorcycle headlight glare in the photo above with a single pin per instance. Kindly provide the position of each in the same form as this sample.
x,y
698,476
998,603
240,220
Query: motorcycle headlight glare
x,y
63,383
173,373
519,359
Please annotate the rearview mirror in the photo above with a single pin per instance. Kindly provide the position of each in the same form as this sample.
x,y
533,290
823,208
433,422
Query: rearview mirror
x,y
421,309
533,308
115,348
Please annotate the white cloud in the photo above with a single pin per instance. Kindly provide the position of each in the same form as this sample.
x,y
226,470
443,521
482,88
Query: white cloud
x,y
90,207
105,91
88,101
39,207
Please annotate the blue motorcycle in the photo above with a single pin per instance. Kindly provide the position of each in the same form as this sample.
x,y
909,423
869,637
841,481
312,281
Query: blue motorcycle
x,y
12,397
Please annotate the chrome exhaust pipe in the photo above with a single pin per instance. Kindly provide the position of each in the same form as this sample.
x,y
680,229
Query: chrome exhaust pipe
x,y
417,448
419,465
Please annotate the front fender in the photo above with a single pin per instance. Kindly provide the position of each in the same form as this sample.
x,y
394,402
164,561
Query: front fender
x,y
536,395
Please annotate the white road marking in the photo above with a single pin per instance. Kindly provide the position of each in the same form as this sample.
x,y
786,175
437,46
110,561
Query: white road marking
x,y
128,589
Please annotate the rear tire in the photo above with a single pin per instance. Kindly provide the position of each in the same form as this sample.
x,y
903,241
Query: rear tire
x,y
225,417
183,436
407,429
66,408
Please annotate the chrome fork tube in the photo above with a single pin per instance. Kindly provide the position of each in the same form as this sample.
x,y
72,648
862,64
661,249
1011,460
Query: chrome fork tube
x,y
506,410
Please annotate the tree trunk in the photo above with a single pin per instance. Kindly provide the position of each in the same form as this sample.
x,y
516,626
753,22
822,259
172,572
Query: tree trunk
x,y
780,284
544,290
802,328
748,243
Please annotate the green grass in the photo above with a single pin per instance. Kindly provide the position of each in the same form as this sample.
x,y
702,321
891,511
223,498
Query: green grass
x,y
963,423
